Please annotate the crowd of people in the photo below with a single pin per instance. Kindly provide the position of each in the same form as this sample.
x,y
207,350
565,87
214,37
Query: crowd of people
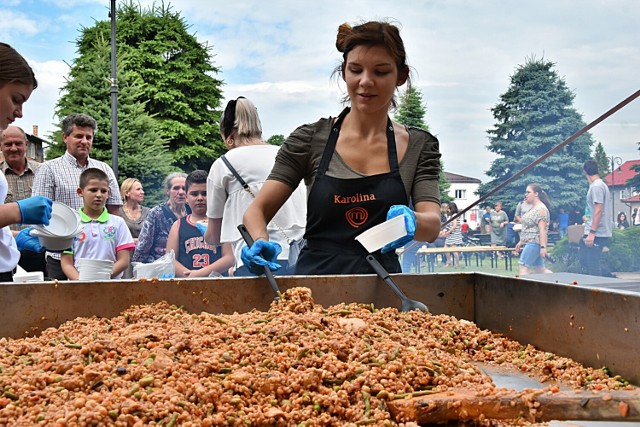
x,y
329,181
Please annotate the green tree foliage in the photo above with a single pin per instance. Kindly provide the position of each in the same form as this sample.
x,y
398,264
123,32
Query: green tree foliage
x,y
411,112
277,139
179,91
602,160
533,116
622,255
142,153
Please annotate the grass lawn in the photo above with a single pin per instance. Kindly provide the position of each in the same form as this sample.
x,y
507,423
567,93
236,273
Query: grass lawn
x,y
484,267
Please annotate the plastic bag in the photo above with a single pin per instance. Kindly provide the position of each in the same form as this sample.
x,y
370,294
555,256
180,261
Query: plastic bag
x,y
162,268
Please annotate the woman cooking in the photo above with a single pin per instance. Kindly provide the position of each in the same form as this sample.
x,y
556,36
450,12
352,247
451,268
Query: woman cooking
x,y
360,167
535,226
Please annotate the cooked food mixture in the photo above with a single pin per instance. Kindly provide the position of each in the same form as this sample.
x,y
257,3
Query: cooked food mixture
x,y
299,364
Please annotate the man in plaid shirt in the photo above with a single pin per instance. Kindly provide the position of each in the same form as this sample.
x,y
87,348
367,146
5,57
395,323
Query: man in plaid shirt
x,y
59,178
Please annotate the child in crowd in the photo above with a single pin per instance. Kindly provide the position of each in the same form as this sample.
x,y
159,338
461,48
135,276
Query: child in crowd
x,y
194,257
104,236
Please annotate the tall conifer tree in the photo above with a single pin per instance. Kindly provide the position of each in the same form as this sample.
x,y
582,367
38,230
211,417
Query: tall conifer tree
x,y
534,115
411,112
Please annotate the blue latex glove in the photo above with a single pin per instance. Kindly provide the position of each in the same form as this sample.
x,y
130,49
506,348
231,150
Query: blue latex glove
x,y
260,254
35,210
202,227
26,241
409,222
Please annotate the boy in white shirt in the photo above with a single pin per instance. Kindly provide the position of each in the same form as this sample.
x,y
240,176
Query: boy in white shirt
x,y
104,236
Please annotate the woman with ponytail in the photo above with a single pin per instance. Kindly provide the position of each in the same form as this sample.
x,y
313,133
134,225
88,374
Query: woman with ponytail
x,y
535,228
251,158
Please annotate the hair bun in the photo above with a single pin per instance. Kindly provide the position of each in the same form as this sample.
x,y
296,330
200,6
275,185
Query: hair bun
x,y
344,31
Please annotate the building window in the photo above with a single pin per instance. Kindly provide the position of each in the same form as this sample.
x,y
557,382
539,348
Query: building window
x,y
461,194
31,150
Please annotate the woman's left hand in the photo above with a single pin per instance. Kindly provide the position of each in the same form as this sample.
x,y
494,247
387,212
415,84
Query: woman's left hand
x,y
410,225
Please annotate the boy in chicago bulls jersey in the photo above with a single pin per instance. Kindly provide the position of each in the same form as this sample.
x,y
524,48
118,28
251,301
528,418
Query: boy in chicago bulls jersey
x,y
195,257
104,236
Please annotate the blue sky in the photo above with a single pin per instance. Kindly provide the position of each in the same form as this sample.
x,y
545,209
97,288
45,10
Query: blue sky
x,y
281,54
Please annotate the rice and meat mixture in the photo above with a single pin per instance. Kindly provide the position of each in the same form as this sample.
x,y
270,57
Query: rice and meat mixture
x,y
298,364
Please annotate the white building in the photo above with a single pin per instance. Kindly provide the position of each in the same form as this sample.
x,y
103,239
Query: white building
x,y
463,191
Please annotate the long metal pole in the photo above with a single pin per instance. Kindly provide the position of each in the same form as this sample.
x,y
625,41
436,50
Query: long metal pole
x,y
614,161
613,193
114,93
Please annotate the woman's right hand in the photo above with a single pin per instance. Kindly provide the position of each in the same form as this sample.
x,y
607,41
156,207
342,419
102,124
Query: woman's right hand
x,y
261,254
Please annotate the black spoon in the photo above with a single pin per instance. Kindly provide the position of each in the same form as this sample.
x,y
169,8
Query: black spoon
x,y
408,304
249,241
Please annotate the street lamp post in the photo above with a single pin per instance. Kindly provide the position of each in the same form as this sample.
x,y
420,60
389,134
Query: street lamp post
x,y
614,161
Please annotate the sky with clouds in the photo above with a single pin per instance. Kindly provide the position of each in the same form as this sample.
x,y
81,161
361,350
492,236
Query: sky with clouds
x,y
281,53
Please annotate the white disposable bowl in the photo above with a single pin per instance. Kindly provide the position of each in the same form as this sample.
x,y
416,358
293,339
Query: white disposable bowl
x,y
378,236
64,221
28,276
56,243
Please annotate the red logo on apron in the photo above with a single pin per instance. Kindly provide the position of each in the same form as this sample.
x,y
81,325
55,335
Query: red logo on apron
x,y
357,216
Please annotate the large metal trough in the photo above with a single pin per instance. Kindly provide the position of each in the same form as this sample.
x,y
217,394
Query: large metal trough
x,y
591,324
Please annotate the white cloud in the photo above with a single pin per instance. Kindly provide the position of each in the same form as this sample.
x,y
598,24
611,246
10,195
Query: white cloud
x,y
39,110
16,25
281,54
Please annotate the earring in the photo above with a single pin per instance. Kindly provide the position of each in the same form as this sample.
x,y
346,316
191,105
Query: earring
x,y
230,142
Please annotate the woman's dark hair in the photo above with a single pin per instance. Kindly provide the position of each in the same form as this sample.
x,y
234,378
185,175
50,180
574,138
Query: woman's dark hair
x,y
373,33
542,195
14,68
621,214
453,208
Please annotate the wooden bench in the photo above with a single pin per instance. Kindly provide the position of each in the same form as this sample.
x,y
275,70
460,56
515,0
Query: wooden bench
x,y
467,251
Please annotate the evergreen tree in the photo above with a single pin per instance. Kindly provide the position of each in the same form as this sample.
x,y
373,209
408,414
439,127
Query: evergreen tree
x,y
277,139
141,152
533,116
179,91
411,112
601,159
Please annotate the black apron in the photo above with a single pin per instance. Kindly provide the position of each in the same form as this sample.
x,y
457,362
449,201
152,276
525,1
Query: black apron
x,y
340,209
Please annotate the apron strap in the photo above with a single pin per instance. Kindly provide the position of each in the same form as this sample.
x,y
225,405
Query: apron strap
x,y
333,139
